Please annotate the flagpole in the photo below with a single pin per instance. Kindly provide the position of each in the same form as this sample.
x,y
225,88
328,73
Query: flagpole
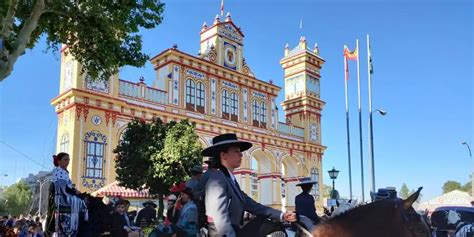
x,y
360,124
371,133
346,72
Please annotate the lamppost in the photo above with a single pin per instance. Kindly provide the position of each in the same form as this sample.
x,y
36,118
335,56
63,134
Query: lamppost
x,y
333,175
472,172
371,148
41,183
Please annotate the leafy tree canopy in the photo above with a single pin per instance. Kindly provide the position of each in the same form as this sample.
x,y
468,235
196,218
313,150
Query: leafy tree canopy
x,y
18,198
157,155
101,35
404,191
450,185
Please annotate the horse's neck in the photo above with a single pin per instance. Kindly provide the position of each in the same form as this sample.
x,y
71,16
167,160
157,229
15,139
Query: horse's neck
x,y
331,229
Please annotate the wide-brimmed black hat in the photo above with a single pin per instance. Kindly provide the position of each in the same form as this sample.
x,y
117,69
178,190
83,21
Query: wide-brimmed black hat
x,y
150,203
306,181
225,140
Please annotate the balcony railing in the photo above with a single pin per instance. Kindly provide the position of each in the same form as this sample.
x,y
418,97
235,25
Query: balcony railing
x,y
142,92
290,130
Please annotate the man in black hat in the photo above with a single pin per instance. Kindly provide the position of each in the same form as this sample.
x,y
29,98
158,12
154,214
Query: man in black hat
x,y
225,201
304,202
147,215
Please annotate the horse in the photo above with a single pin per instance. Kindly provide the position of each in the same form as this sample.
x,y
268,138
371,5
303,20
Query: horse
x,y
389,218
99,217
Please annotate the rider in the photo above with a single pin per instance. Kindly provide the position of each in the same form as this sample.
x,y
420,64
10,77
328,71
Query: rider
x,y
225,202
64,195
304,202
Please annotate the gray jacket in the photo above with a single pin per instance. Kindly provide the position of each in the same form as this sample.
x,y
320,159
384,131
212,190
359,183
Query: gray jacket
x,y
226,203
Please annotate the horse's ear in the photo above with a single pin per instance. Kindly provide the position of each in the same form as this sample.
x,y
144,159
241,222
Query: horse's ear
x,y
407,203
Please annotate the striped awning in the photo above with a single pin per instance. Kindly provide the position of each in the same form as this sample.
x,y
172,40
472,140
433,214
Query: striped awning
x,y
114,190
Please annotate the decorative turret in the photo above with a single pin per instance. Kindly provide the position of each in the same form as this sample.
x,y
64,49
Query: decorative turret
x,y
227,39
302,104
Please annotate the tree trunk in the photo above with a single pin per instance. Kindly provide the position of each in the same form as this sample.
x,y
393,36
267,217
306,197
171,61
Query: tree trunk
x,y
161,207
22,40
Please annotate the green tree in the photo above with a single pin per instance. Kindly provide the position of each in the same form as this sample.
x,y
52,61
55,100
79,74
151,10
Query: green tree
x,y
18,198
404,191
450,185
101,35
326,190
467,187
156,156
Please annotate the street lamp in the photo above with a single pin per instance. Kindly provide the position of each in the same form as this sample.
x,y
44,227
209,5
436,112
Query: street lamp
x,y
40,187
472,173
371,148
333,175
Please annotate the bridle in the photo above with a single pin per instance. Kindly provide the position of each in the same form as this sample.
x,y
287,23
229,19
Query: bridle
x,y
408,218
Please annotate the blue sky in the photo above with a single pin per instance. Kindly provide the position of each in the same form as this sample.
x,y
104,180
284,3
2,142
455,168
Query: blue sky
x,y
423,60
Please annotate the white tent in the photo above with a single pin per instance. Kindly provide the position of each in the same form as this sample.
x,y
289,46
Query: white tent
x,y
453,198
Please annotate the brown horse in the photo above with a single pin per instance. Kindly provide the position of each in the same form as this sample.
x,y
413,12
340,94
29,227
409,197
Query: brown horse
x,y
384,218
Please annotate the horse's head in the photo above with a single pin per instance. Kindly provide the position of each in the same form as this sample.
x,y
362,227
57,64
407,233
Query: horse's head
x,y
414,224
388,217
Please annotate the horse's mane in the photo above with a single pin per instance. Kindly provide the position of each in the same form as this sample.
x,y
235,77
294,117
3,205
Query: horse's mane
x,y
361,211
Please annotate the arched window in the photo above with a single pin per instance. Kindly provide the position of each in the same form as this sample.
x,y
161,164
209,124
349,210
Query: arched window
x,y
190,94
64,144
200,95
225,104
94,143
263,114
234,107
254,178
315,177
255,113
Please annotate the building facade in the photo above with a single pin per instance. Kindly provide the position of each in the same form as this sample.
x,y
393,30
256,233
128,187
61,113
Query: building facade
x,y
217,90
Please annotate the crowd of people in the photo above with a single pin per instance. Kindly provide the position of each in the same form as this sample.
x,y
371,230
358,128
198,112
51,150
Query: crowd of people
x,y
21,226
211,199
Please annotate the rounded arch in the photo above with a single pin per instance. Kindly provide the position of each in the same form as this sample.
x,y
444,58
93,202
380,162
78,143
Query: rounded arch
x,y
265,159
290,165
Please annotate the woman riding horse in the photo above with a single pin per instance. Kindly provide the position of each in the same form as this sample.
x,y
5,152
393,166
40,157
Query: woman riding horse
x,y
64,201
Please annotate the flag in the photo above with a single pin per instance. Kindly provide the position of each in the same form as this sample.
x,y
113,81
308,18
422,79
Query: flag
x,y
371,67
350,55
222,7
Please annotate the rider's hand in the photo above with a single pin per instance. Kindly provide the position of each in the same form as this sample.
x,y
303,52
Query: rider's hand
x,y
289,216
128,229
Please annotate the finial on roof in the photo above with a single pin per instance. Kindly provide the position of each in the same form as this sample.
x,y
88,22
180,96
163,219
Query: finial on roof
x,y
316,49
302,43
204,26
199,53
217,20
287,46
287,49
175,46
271,81
141,79
227,17
212,46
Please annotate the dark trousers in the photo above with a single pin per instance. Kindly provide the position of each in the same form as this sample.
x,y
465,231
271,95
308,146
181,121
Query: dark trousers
x,y
259,226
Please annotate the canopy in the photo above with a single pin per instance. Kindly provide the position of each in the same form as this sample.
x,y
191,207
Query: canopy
x,y
114,189
453,198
